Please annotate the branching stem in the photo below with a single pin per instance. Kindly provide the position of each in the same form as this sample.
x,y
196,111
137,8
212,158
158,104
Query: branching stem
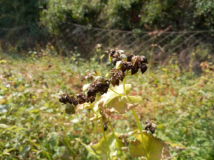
x,y
136,118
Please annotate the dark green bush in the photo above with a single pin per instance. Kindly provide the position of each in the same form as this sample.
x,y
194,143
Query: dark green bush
x,y
20,12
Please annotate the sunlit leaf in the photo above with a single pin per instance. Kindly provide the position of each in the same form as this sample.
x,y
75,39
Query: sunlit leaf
x,y
155,149
120,102
124,104
100,151
116,93
131,99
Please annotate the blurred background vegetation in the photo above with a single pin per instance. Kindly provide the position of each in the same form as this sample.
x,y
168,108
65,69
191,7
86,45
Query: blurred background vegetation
x,y
165,27
44,46
121,14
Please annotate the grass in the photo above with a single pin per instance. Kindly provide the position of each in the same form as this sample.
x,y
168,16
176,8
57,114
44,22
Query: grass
x,y
34,125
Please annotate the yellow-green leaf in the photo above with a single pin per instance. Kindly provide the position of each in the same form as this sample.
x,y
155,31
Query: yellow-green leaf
x,y
117,91
89,149
99,150
131,99
155,149
110,59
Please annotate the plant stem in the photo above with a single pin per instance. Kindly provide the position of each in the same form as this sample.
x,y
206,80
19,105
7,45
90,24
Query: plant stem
x,y
115,136
124,85
141,133
112,129
136,118
94,112
107,147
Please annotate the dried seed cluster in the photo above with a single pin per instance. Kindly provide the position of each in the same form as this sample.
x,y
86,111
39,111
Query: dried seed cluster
x,y
100,85
89,76
149,126
130,62
65,98
105,126
123,138
116,75
80,99
115,54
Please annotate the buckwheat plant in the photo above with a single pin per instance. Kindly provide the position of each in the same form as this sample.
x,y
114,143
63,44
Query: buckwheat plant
x,y
106,96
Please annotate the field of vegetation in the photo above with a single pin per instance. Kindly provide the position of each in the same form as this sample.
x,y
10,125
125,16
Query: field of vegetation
x,y
35,125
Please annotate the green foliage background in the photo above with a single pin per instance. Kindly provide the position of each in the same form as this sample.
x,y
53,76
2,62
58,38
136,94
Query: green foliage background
x,y
34,125
126,14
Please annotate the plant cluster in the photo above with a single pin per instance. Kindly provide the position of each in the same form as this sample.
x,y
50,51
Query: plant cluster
x,y
123,65
114,98
34,126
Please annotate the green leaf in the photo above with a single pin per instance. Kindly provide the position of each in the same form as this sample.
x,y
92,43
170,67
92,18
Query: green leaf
x,y
114,146
120,105
4,108
7,151
70,109
131,99
89,149
3,126
25,150
120,102
119,90
109,57
99,149
155,149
